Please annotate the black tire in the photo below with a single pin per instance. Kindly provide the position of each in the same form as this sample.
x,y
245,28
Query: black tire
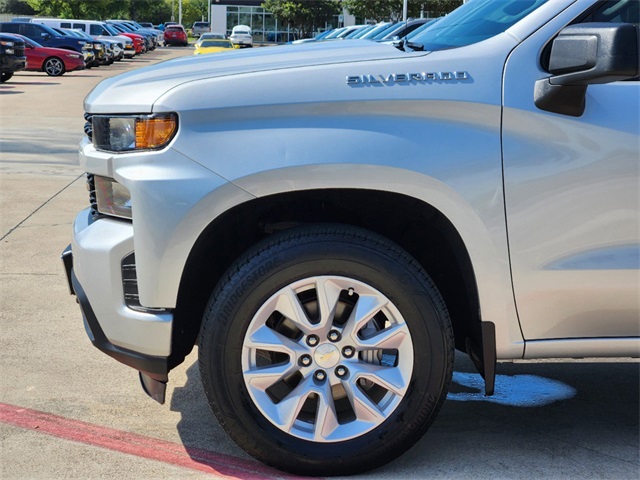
x,y
371,263
4,76
53,66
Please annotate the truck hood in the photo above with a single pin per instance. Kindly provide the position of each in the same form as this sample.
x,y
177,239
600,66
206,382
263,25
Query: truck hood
x,y
136,91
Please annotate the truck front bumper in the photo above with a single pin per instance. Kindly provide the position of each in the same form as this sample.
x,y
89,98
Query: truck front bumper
x,y
93,264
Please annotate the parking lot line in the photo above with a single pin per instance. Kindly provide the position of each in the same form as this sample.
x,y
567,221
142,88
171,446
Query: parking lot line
x,y
221,465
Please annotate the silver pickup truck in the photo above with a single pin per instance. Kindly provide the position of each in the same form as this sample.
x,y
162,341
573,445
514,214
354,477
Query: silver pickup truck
x,y
329,222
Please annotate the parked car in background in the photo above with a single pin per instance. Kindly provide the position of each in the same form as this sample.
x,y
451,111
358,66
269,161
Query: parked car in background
x,y
44,35
12,56
141,42
213,45
155,31
94,29
318,37
210,36
351,30
199,28
175,35
52,61
146,24
375,31
241,35
153,37
360,32
112,48
90,58
402,29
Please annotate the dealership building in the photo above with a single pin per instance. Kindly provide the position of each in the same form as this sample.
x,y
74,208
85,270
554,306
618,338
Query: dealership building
x,y
226,14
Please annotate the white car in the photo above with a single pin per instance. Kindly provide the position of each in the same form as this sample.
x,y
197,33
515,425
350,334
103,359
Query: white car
x,y
241,35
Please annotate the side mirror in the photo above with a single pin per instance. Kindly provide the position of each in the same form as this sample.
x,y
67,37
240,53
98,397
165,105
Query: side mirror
x,y
582,55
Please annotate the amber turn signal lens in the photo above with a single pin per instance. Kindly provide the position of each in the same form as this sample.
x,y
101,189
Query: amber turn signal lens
x,y
155,132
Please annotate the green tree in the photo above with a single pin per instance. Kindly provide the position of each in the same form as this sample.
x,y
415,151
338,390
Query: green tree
x,y
392,9
192,11
16,7
149,10
303,16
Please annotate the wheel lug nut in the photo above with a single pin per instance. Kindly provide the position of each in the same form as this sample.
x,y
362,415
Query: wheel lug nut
x,y
320,375
305,360
334,335
341,371
348,351
312,340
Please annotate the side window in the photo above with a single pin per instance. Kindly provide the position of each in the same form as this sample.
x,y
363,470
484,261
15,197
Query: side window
x,y
65,24
614,11
11,27
79,26
32,31
95,29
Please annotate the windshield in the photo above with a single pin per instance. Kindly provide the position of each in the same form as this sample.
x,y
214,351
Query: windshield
x,y
124,27
362,31
28,41
111,30
335,33
384,32
377,29
216,43
475,21
84,34
418,31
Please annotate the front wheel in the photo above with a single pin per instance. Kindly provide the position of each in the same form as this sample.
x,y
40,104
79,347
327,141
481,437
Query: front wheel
x,y
53,66
326,351
4,76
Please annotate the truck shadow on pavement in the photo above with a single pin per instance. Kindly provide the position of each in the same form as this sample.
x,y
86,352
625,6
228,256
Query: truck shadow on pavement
x,y
557,420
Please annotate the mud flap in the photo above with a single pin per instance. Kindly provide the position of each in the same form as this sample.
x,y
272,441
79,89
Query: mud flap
x,y
484,356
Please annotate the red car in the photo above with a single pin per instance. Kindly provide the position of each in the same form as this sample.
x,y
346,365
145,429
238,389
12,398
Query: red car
x,y
138,41
52,61
175,35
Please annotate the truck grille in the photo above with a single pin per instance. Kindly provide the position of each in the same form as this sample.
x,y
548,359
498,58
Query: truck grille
x,y
88,127
19,49
91,186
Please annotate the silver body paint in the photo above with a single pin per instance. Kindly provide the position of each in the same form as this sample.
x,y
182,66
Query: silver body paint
x,y
546,205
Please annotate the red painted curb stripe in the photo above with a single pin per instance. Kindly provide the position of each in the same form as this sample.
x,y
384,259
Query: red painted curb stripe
x,y
226,466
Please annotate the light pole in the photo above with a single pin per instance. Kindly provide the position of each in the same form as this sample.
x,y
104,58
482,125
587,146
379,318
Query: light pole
x,y
404,10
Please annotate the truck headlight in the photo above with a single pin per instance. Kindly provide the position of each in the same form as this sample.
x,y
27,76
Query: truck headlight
x,y
97,46
124,133
112,198
6,43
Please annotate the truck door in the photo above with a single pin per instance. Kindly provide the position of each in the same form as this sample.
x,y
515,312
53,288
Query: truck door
x,y
572,198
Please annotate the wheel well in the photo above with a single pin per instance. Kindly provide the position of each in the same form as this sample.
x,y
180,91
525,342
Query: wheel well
x,y
414,225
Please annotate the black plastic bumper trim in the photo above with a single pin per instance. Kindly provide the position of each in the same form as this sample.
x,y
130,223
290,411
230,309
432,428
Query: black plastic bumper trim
x,y
156,368
67,261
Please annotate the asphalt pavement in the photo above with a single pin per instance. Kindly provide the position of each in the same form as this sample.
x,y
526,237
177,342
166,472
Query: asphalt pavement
x,y
69,411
